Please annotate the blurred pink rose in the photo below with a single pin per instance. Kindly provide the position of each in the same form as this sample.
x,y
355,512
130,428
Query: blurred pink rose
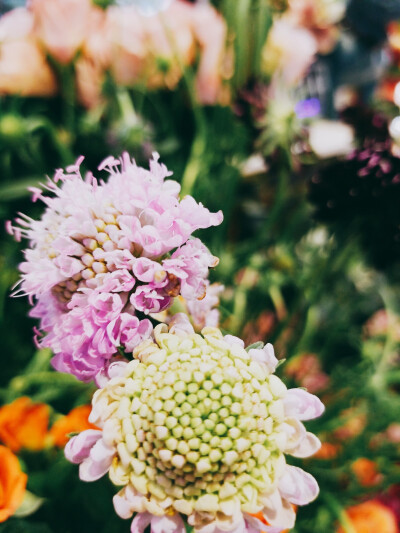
x,y
210,31
16,24
153,50
288,52
23,66
24,71
61,25
320,17
94,60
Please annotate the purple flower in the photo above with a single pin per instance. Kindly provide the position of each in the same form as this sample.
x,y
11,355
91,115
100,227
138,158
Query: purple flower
x,y
104,251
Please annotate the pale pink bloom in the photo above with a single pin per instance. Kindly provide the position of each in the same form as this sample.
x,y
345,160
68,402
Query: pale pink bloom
x,y
293,485
61,25
24,70
210,32
320,17
99,254
288,52
153,50
23,67
16,24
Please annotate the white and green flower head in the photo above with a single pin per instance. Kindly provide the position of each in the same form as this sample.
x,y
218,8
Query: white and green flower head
x,y
196,429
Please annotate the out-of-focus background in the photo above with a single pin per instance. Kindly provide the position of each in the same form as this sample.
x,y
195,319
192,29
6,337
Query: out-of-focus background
x,y
285,115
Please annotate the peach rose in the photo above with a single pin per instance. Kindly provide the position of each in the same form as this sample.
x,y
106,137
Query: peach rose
x,y
288,52
23,66
61,25
24,424
12,483
371,517
24,70
74,422
153,50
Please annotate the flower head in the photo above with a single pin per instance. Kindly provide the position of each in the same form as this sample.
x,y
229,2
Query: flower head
x,y
104,251
196,428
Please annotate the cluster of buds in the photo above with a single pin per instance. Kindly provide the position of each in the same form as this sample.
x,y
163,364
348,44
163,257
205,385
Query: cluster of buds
x,y
106,254
196,429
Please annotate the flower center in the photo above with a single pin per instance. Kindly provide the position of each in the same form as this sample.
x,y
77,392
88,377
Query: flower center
x,y
199,422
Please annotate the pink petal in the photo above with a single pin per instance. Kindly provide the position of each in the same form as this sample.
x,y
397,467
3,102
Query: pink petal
x,y
256,526
265,356
78,448
98,463
278,512
140,522
180,325
309,445
167,524
297,486
302,405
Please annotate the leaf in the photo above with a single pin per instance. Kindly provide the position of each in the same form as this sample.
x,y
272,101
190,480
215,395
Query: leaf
x,y
189,529
30,505
259,345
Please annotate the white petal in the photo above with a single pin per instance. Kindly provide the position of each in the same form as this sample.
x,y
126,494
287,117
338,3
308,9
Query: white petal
x,y
167,524
140,522
302,405
278,512
298,486
309,445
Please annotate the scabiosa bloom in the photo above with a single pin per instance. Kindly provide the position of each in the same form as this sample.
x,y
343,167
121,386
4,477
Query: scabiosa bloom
x,y
105,254
195,430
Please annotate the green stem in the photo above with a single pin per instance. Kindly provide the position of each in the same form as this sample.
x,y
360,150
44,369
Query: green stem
x,y
339,512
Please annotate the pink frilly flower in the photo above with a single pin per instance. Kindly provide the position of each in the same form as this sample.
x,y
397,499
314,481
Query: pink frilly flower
x,y
105,251
240,474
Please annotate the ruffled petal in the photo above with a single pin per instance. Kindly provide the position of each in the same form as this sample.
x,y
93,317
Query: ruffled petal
x,y
297,486
278,512
140,522
167,524
302,405
98,462
309,445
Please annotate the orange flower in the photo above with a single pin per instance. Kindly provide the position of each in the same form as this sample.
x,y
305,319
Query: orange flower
x,y
371,517
366,472
75,421
24,424
12,483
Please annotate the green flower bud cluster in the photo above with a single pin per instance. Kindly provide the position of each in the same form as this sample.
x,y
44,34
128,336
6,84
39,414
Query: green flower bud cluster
x,y
196,424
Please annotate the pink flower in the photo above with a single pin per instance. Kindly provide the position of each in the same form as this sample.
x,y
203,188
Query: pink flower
x,y
288,52
23,67
98,256
210,32
61,25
